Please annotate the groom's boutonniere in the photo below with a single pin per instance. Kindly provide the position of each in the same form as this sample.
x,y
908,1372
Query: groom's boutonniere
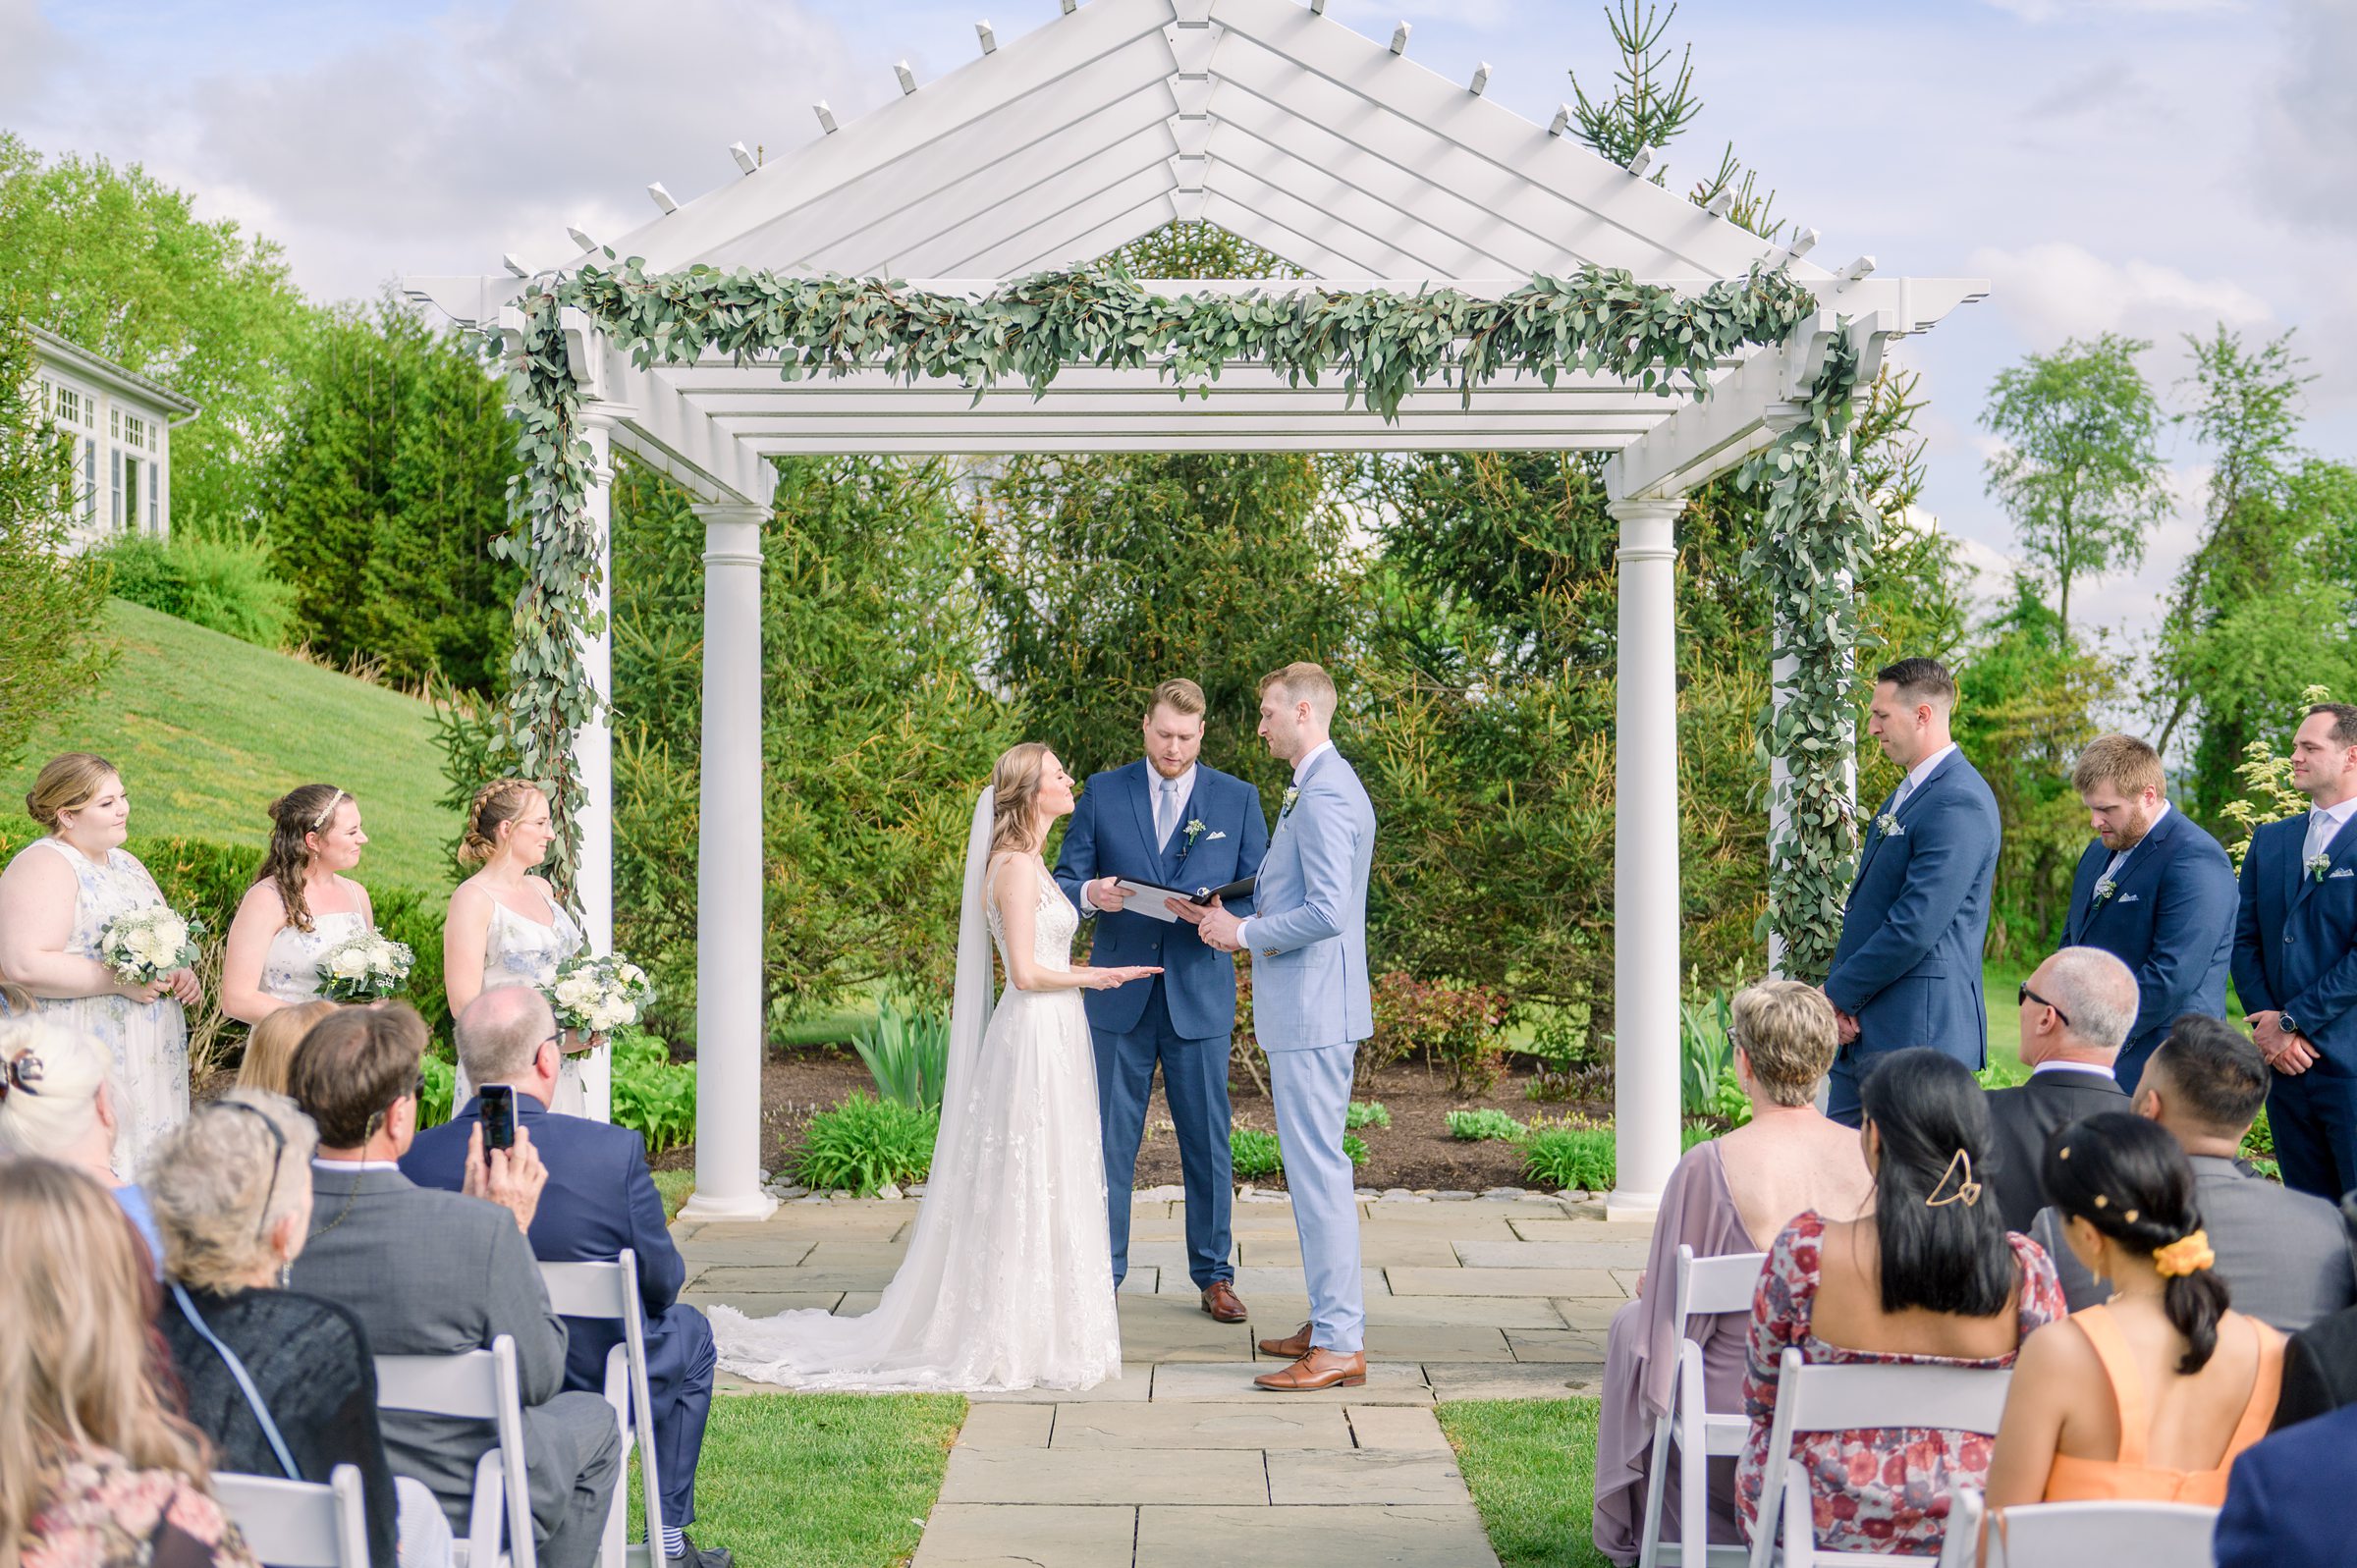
x,y
2319,864
1194,831
2105,889
1889,827
1292,792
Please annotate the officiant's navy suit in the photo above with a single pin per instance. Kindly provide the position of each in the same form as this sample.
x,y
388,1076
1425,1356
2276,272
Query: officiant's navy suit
x,y
2295,951
1908,966
1185,1018
2169,918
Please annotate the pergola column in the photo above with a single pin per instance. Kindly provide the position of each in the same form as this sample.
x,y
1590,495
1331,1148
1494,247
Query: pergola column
x,y
593,745
1645,882
729,1002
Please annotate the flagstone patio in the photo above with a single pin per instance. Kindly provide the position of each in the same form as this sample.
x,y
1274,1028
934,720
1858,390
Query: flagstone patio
x,y
1181,1461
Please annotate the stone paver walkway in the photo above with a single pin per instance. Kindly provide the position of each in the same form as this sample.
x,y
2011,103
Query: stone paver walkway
x,y
1181,1462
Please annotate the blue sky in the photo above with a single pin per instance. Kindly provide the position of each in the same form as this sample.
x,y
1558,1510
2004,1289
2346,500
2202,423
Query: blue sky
x,y
2143,166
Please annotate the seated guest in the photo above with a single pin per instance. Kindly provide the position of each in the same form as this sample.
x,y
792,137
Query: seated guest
x,y
2284,1254
232,1198
2075,1013
433,1273
1730,1195
95,1471
2320,1370
271,1044
1930,1279
57,1101
2149,1396
2288,1499
600,1198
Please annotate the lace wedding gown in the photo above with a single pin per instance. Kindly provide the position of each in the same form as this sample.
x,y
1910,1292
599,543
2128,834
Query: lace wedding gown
x,y
1008,1281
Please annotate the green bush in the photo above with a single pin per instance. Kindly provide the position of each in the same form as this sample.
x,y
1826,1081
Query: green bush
x,y
436,1100
1474,1126
651,1092
1706,1075
225,583
1366,1114
1355,1147
907,1054
2259,1147
1570,1156
1253,1152
865,1144
1454,1027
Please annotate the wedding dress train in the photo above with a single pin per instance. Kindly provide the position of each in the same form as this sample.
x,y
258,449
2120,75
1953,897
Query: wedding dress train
x,y
1008,1279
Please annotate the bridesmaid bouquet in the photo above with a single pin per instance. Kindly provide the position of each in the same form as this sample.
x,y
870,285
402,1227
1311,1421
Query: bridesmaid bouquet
x,y
365,968
142,946
598,996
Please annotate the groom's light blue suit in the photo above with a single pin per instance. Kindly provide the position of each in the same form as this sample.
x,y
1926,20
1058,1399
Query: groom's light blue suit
x,y
1311,1006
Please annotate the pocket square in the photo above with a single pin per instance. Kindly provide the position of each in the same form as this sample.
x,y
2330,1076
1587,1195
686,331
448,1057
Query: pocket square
x,y
2131,897
2345,871
1214,836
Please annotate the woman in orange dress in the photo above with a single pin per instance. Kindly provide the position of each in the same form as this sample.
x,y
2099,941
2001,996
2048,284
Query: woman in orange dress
x,y
2151,1396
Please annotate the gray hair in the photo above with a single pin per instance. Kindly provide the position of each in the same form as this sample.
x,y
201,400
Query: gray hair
x,y
501,1031
2098,992
220,1183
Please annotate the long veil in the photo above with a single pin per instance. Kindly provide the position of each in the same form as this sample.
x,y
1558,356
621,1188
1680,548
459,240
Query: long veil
x,y
971,996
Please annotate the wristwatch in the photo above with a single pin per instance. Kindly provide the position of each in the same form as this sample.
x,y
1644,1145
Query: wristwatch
x,y
2284,1025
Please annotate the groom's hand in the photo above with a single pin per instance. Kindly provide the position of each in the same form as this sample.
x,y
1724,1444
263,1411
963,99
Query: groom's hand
x,y
1212,922
1107,895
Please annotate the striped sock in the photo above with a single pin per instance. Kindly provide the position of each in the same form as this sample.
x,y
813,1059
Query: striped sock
x,y
674,1541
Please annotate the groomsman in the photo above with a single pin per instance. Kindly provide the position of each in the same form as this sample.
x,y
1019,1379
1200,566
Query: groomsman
x,y
2155,891
1907,971
1168,821
2295,957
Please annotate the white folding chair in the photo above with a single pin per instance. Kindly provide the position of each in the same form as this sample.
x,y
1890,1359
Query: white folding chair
x,y
1705,1287
2074,1534
1812,1398
610,1292
478,1385
299,1524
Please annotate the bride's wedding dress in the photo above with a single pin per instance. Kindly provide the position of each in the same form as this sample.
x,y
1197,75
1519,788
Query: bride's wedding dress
x,y
1007,1281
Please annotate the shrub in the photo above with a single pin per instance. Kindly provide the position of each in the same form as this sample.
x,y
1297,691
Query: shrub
x,y
435,1101
1707,1084
1355,1147
226,583
906,1053
1253,1152
1366,1114
1570,1156
1475,1126
865,1144
1454,1027
651,1092
2259,1147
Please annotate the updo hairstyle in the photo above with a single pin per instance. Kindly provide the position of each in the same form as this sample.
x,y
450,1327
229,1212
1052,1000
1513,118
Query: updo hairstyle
x,y
2129,1178
495,805
1788,1032
293,817
50,1076
66,783
1015,784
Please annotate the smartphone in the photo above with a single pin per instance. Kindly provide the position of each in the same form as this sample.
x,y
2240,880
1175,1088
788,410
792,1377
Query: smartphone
x,y
499,1116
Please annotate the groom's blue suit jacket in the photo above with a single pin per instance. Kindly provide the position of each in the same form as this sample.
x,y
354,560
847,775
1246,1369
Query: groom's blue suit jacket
x,y
1112,835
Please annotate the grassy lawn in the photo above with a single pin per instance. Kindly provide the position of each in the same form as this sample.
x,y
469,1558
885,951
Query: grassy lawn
x,y
209,731
820,1481
674,1186
1998,983
1531,1467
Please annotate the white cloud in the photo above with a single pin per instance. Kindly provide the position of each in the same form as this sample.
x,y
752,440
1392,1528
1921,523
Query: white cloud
x,y
2057,290
29,49
2072,10
2308,124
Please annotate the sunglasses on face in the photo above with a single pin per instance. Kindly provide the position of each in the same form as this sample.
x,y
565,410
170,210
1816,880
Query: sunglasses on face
x,y
2027,995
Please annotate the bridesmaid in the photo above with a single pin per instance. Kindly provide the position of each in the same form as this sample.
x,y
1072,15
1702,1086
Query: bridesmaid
x,y
55,898
506,927
300,903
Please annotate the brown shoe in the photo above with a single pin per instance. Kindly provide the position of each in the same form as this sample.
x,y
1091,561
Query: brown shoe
x,y
1220,1300
1292,1348
1320,1368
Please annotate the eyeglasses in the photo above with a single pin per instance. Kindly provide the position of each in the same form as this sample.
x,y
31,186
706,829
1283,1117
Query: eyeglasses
x,y
2027,995
277,1156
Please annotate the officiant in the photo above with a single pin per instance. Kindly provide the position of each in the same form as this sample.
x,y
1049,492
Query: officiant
x,y
1166,821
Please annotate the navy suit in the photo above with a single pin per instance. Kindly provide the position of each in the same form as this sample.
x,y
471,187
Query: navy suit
x,y
2295,952
1185,1017
1908,966
2169,918
600,1199
2287,1496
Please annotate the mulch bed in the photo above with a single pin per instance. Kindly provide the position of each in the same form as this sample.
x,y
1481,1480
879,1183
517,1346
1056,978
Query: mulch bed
x,y
1414,1152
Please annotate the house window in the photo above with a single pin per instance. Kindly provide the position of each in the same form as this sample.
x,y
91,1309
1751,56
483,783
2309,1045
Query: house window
x,y
68,406
155,513
114,514
114,424
134,431
130,493
89,482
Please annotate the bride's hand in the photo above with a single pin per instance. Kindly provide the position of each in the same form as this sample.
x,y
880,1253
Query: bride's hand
x,y
1107,979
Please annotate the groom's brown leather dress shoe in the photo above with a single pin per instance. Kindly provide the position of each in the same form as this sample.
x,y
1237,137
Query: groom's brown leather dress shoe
x,y
1320,1368
1220,1300
1293,1347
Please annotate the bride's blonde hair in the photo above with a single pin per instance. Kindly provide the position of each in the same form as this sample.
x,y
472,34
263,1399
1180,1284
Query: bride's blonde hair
x,y
1015,784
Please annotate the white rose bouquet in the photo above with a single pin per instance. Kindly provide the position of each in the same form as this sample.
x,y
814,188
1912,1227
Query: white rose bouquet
x,y
366,967
142,946
598,996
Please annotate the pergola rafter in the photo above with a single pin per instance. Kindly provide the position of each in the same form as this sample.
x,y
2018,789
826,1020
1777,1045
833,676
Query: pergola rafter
x,y
1301,137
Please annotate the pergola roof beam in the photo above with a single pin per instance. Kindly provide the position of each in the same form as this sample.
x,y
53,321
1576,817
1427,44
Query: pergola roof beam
x,y
1345,436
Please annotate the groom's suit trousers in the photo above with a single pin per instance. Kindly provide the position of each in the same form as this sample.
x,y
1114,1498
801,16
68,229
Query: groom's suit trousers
x,y
1312,1091
1194,1080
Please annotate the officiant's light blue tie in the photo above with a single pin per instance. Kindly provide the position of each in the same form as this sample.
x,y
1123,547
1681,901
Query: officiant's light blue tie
x,y
1165,812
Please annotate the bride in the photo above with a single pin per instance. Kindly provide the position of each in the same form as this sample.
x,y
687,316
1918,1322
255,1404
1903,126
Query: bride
x,y
1008,1281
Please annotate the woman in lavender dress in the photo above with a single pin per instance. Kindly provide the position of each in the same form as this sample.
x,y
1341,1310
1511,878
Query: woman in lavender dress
x,y
301,904
506,927
56,897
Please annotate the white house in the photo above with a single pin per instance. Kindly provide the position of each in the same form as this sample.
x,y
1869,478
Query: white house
x,y
119,425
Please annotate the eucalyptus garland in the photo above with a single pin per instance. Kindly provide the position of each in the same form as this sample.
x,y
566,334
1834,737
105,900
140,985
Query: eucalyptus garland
x,y
1818,530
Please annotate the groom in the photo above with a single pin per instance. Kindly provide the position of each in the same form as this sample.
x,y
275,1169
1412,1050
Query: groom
x,y
1170,822
1310,1009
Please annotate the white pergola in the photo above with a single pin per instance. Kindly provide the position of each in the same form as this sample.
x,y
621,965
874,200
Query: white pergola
x,y
1329,149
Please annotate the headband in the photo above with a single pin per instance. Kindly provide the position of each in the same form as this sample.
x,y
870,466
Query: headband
x,y
320,821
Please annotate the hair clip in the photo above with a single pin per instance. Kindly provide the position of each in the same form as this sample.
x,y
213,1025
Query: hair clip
x,y
2063,1153
1968,1191
24,1070
2102,1202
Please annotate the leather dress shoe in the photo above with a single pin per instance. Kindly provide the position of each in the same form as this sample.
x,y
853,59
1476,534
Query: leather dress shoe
x,y
700,1556
1293,1347
1320,1368
1220,1300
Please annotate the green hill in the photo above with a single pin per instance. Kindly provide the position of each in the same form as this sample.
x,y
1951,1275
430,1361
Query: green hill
x,y
209,731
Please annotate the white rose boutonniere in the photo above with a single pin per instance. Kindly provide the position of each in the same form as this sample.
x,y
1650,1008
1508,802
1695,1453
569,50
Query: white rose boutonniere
x,y
1194,831
2319,864
2104,888
1889,827
1292,792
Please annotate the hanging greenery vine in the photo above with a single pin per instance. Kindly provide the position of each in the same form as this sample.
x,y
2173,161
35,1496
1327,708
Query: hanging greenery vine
x,y
1381,345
